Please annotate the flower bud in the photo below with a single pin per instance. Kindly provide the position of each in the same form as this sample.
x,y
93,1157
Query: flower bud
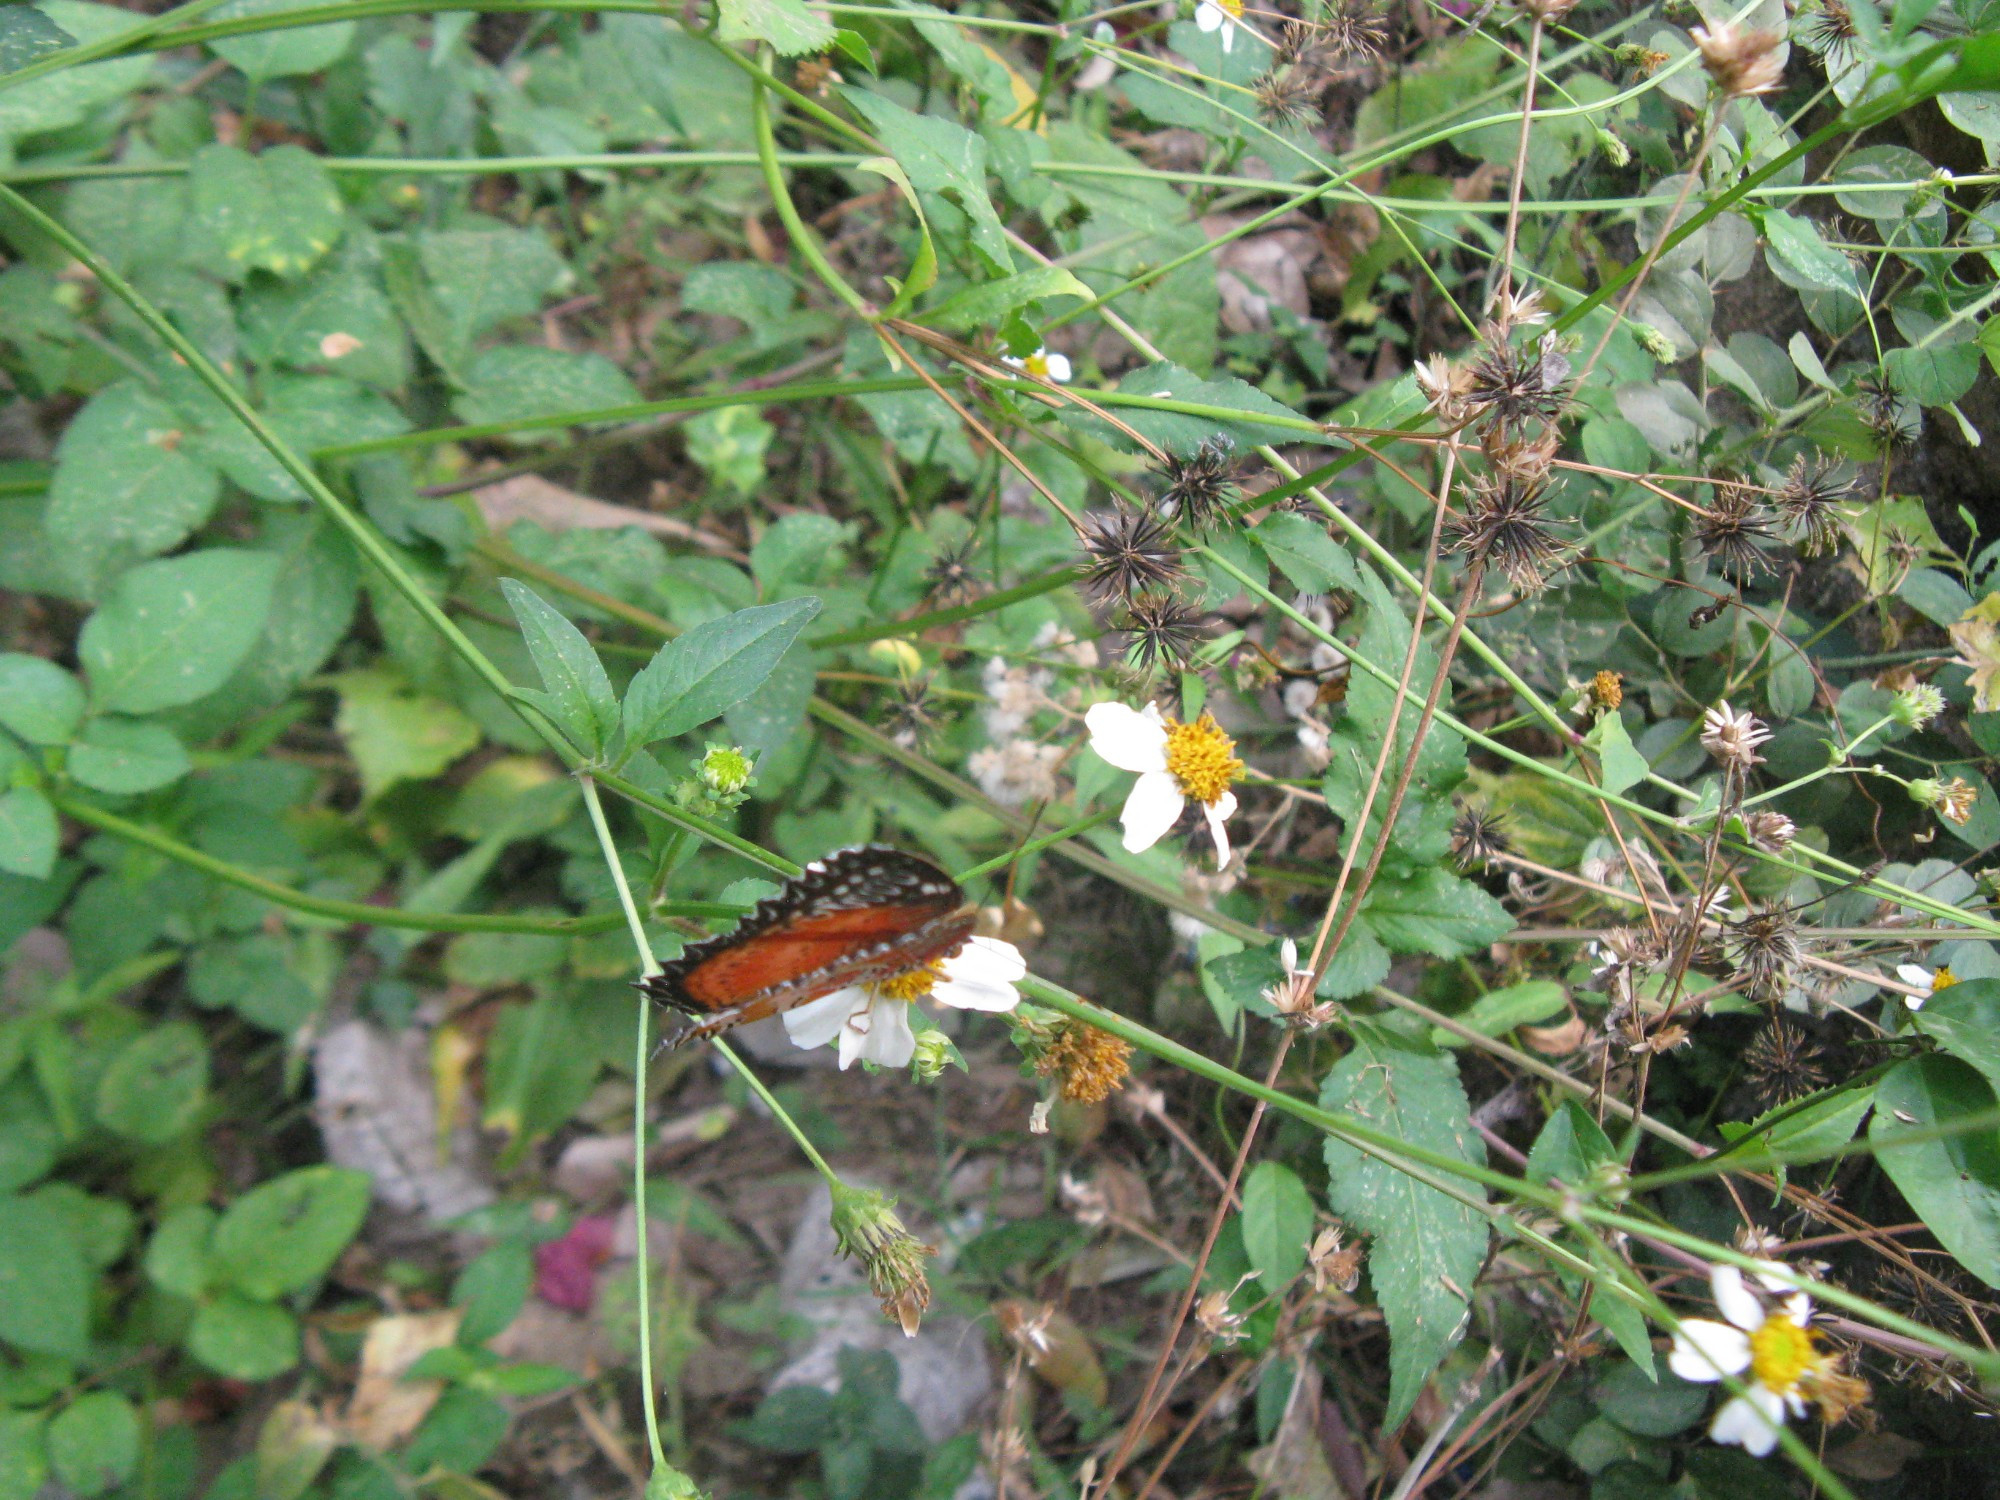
x,y
725,771
1915,706
934,1054
898,654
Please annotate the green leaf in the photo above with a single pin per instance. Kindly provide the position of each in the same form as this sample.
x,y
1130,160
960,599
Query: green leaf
x,y
703,674
535,1077
280,53
1622,765
1182,433
1277,1225
127,756
481,277
1647,1405
787,25
172,631
39,701
1952,1183
1435,912
255,977
242,1339
25,35
284,1234
124,480
522,383
923,272
943,157
580,698
1965,1021
1498,1012
154,1087
44,1279
1813,1129
986,304
1935,375
94,1443
1803,259
278,212
1569,1150
177,1258
1302,549
335,319
24,1455
67,97
493,1289
394,733
29,835
1428,1248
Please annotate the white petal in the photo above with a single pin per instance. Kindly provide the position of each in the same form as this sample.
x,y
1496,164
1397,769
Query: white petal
x,y
1750,1421
986,960
1058,368
1151,809
1775,1276
1915,974
1217,813
1735,1300
1705,1350
1014,360
975,994
1229,39
881,1034
1208,17
1128,739
818,1022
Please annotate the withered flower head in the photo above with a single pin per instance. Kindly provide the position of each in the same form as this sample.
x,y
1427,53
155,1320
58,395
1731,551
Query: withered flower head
x,y
1765,948
1445,385
1740,60
1476,836
949,580
1162,632
1607,689
1826,28
1298,44
1732,737
1292,997
1504,527
1956,801
1732,529
1770,831
1089,1064
913,711
1514,384
1807,499
1198,487
1334,1263
1546,11
1783,1064
865,1228
1352,28
1888,413
1288,97
1130,551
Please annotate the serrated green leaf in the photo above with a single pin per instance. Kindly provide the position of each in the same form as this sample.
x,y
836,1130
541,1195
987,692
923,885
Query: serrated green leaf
x,y
787,25
986,304
286,1233
172,631
580,698
1570,1148
1952,1182
278,212
1277,1225
1303,550
1434,912
940,156
1427,1248
703,674
395,733
39,701
335,319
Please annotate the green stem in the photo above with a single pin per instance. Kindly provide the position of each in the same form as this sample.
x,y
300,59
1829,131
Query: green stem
x,y
803,239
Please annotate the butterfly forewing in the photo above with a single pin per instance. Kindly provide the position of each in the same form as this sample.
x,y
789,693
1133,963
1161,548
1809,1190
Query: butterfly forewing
x,y
858,915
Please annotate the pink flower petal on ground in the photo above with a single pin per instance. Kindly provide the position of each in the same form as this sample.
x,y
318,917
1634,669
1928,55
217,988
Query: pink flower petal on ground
x,y
566,1269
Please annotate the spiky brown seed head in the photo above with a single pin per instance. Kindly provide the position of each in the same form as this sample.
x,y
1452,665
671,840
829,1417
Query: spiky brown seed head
x,y
1783,1063
1515,384
1161,631
1131,552
1477,836
1809,499
1505,527
1196,489
1765,948
1733,528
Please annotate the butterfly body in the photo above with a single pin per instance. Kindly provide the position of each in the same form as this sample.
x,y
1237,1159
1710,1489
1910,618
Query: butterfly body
x,y
858,916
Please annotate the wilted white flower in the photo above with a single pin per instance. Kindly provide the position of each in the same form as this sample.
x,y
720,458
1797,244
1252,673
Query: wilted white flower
x,y
1733,738
1016,773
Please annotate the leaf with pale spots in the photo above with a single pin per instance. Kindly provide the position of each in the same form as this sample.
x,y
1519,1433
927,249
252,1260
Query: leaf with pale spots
x,y
172,631
278,212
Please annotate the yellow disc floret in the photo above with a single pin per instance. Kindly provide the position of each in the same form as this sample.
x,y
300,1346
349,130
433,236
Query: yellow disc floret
x,y
913,985
1781,1351
1944,979
1037,364
1232,8
1200,757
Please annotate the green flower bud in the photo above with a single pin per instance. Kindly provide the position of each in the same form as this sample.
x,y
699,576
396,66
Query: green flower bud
x,y
1914,707
934,1054
1925,792
1615,151
725,771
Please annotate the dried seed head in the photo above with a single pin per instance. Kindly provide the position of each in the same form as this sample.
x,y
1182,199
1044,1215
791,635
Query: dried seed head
x,y
865,1228
1956,800
1826,29
1334,1263
1351,28
1162,632
1503,527
1089,1064
949,580
1742,61
1607,689
1733,738
1445,386
913,714
1196,489
1783,1064
1733,528
1131,552
1765,949
1770,831
1523,457
1288,97
1807,499
1476,836
1512,384
1893,417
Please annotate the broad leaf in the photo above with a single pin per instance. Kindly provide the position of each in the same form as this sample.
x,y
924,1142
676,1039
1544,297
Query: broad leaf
x,y
701,675
527,383
278,212
1427,1247
1434,912
124,480
1302,549
44,1279
172,631
25,35
155,1085
1571,1147
1277,1225
987,304
28,833
127,756
286,1233
1953,1183
244,1339
94,1443
787,25
280,53
39,701
580,698
395,733
943,157
1965,1021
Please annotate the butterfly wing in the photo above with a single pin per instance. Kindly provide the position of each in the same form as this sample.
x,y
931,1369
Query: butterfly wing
x,y
859,914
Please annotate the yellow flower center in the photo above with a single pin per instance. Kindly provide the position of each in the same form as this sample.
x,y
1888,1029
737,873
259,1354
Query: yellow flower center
x,y
1200,758
1780,1352
914,985
1037,364
1230,8
1944,979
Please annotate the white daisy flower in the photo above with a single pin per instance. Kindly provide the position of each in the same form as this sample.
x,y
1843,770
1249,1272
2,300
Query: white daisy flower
x,y
1930,981
1175,762
872,1021
1220,15
1770,1347
1043,365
